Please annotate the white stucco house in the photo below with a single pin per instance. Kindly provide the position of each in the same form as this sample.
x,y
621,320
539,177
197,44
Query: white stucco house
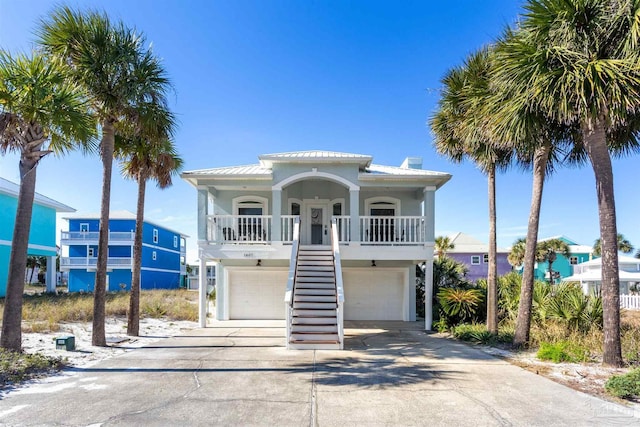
x,y
589,274
316,238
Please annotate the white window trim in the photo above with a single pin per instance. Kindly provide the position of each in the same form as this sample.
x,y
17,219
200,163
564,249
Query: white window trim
x,y
573,258
476,257
485,258
155,235
91,253
175,241
251,202
381,199
84,224
154,256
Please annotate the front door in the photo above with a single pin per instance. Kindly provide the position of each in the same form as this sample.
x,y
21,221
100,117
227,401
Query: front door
x,y
316,224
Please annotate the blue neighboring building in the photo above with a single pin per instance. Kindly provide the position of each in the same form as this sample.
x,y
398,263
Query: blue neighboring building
x,y
163,253
42,235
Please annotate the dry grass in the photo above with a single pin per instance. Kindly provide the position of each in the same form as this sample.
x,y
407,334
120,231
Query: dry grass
x,y
44,312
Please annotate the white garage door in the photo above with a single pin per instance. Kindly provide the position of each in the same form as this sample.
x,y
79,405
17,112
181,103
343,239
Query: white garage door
x,y
256,294
373,294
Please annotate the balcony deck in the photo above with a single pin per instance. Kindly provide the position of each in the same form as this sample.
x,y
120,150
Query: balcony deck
x,y
67,263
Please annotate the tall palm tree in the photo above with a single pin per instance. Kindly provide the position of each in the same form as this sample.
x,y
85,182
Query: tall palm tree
x,y
442,245
119,73
624,246
462,131
41,112
547,252
142,160
578,63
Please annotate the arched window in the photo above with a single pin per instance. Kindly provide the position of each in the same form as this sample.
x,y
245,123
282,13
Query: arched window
x,y
254,226
382,225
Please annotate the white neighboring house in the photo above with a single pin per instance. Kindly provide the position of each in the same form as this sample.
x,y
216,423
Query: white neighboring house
x,y
589,274
316,237
193,277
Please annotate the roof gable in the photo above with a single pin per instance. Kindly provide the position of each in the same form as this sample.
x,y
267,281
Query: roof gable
x,y
12,189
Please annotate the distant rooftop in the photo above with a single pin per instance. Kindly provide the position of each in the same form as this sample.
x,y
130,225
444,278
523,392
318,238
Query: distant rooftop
x,y
13,189
115,215
465,243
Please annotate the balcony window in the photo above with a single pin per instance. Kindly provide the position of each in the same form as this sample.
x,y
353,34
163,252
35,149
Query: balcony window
x,y
175,241
475,260
485,258
91,252
84,227
294,208
573,260
153,255
155,235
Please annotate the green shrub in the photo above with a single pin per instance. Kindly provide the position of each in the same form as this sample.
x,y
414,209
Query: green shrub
x,y
441,325
16,367
459,304
624,386
474,332
562,351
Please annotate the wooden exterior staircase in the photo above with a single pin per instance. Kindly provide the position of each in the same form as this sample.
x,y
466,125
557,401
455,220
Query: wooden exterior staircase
x,y
314,324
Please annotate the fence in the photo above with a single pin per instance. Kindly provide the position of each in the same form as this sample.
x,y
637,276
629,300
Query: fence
x,y
630,302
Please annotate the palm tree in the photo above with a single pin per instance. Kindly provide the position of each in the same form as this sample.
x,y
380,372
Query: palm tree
x,y
624,246
578,63
547,252
41,112
460,131
144,159
442,245
119,74
516,255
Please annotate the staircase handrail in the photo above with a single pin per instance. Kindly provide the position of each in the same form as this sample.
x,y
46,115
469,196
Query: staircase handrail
x,y
337,265
288,295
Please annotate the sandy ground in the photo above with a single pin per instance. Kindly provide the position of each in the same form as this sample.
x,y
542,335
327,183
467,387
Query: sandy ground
x,y
151,330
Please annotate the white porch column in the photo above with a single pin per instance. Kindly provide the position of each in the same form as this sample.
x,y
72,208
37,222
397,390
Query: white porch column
x,y
50,275
276,208
354,211
202,292
428,295
203,212
220,292
430,213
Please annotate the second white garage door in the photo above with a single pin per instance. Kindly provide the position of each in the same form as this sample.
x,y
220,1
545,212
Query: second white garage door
x,y
256,293
373,294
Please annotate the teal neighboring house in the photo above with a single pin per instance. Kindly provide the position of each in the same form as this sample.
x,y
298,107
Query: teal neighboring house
x,y
563,265
42,238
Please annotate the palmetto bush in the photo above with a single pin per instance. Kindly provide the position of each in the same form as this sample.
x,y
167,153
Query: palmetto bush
x,y
579,312
459,305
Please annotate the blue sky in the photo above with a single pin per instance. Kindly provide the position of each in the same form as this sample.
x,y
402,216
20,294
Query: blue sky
x,y
254,77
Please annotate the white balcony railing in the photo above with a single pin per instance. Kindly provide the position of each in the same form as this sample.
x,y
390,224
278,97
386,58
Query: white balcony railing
x,y
86,262
374,230
78,237
396,230
239,228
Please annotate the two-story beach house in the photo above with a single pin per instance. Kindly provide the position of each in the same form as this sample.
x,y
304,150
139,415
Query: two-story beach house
x,y
563,266
163,253
42,236
316,237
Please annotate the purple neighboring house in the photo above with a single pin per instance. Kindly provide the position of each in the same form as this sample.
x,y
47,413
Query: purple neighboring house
x,y
475,255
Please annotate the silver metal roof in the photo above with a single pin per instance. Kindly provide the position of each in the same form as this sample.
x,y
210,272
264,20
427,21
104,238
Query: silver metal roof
x,y
13,189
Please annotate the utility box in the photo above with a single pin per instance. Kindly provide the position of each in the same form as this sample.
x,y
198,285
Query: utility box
x,y
66,343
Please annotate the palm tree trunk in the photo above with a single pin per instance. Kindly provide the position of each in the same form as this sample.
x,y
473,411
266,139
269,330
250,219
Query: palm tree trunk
x,y
12,317
595,144
133,325
523,321
98,337
492,276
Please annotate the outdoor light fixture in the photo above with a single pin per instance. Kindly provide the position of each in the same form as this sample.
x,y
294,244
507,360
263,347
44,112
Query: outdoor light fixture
x,y
373,263
259,263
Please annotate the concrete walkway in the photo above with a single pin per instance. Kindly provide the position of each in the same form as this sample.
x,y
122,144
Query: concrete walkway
x,y
239,373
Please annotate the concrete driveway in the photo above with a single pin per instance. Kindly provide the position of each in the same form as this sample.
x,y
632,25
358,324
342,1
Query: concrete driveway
x,y
239,373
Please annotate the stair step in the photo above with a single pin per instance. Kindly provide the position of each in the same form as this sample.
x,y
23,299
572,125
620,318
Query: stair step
x,y
315,305
315,268
314,328
308,279
315,273
314,298
313,336
315,285
315,247
325,313
302,320
315,291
